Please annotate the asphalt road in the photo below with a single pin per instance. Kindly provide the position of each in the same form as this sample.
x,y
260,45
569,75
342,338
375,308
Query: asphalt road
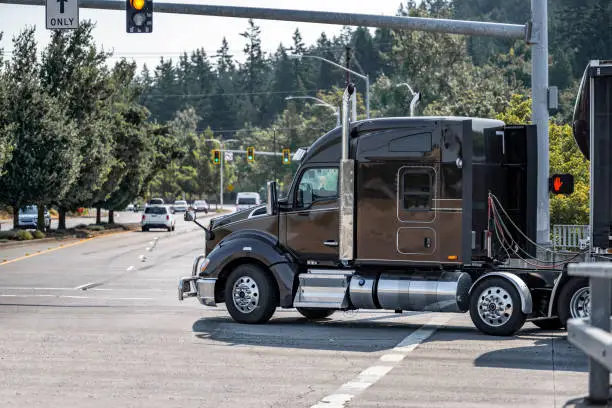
x,y
126,341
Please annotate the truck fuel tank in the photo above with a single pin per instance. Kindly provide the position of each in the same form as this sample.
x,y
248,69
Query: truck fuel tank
x,y
446,292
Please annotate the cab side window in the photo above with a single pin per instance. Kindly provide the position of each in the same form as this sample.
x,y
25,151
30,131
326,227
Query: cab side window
x,y
317,184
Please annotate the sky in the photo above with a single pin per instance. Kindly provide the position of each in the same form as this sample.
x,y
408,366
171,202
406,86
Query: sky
x,y
173,34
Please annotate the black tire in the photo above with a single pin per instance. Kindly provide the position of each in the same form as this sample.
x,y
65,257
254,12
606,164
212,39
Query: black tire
x,y
266,294
565,296
553,323
173,227
145,229
315,314
497,326
169,229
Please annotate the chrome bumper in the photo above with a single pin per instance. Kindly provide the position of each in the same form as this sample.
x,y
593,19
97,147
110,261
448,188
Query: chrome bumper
x,y
202,288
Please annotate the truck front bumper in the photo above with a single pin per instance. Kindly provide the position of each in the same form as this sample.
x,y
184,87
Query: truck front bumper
x,y
197,286
201,288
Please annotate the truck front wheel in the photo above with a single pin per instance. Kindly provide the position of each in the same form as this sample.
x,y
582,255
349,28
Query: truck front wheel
x,y
250,295
495,307
574,300
315,314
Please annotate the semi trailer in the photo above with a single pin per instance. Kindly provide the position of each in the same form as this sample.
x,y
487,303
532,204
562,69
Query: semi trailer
x,y
404,214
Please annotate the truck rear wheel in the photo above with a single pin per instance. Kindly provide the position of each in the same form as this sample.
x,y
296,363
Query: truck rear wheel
x,y
315,314
250,295
495,307
574,300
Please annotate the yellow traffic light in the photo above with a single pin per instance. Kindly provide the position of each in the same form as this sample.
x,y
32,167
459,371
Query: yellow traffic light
x,y
286,157
216,157
250,154
139,16
137,4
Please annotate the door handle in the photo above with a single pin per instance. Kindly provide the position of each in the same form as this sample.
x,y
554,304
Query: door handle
x,y
330,243
303,213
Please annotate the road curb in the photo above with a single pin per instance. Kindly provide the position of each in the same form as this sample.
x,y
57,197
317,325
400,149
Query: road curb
x,y
80,234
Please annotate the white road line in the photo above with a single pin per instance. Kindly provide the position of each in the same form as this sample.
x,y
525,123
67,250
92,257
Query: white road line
x,y
130,268
22,288
77,297
386,363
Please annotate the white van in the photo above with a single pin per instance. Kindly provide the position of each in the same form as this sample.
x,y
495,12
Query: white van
x,y
247,200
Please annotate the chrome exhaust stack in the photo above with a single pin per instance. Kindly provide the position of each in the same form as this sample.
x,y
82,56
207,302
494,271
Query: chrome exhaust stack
x,y
347,183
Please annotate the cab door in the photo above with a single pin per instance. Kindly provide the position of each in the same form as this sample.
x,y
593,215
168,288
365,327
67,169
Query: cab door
x,y
312,221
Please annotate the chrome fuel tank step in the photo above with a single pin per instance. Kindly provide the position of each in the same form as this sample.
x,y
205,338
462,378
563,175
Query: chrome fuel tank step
x,y
323,288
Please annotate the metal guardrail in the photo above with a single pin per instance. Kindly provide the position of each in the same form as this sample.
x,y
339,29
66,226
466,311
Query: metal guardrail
x,y
570,237
593,336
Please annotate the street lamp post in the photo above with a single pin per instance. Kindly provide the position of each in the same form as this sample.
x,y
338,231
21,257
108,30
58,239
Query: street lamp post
x,y
366,78
416,97
336,109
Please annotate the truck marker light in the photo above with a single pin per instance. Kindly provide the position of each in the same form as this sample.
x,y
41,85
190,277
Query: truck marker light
x,y
453,257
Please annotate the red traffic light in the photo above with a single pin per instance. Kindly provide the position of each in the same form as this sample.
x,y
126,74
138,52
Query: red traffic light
x,y
561,184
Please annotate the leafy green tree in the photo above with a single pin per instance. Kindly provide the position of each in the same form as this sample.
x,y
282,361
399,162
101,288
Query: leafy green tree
x,y
73,71
46,158
6,127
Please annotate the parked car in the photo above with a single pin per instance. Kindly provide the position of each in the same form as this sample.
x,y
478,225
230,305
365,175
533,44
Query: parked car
x,y
155,201
200,205
180,206
158,216
247,200
28,217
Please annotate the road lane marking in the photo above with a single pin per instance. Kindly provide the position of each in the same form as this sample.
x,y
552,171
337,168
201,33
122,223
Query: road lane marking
x,y
77,297
368,377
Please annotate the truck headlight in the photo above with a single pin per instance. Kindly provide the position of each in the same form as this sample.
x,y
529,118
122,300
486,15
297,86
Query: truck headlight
x,y
204,265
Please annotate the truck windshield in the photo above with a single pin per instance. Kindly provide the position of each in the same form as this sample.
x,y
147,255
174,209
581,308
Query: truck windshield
x,y
247,201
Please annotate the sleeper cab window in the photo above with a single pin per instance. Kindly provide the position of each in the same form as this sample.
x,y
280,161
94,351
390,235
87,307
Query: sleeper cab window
x,y
317,184
417,189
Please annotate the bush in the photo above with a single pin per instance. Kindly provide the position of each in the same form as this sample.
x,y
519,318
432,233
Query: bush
x,y
39,234
96,227
6,235
24,236
81,226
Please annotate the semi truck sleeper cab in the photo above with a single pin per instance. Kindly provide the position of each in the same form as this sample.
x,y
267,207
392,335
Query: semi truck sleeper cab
x,y
415,213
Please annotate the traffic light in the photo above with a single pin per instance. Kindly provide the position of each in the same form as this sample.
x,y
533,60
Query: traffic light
x,y
286,158
561,184
216,156
250,154
139,16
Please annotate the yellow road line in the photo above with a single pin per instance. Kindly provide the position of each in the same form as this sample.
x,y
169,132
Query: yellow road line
x,y
61,246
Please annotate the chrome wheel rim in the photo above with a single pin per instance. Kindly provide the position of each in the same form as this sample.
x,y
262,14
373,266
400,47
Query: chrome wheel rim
x,y
580,303
495,306
245,294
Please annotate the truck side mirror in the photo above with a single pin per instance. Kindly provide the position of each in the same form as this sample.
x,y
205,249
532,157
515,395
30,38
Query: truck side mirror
x,y
189,216
272,198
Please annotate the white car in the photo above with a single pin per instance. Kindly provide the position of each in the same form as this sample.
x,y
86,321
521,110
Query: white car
x,y
158,216
28,218
200,205
247,200
180,206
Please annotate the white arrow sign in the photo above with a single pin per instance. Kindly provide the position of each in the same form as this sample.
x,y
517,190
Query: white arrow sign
x,y
62,14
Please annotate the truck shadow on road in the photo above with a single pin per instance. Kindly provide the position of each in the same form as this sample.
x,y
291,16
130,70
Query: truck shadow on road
x,y
384,332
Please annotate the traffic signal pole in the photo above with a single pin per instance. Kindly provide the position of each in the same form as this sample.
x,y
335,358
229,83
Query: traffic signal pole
x,y
534,33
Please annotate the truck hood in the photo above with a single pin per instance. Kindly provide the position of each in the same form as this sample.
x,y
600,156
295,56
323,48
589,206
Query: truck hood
x,y
235,217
